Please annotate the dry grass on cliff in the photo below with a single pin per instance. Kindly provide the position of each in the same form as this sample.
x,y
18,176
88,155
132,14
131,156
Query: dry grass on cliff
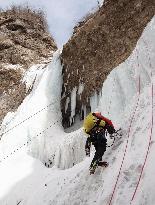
x,y
24,36
82,22
12,90
101,43
29,14
9,78
24,41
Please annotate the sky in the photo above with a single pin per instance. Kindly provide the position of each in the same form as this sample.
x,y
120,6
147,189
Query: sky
x,y
62,15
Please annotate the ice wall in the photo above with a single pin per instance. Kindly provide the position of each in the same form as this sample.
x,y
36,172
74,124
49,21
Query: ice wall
x,y
122,84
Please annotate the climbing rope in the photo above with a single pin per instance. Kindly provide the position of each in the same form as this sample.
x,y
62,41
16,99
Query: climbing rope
x,y
31,116
147,152
151,130
26,143
128,135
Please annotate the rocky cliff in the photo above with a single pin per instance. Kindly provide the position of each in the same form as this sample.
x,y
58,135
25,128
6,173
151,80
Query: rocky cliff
x,y
99,44
24,40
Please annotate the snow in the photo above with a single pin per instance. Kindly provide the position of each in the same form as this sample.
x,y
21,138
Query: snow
x,y
67,103
73,104
65,179
94,101
81,88
33,75
11,66
43,100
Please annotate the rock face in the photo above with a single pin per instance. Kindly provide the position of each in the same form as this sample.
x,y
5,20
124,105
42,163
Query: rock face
x,y
23,37
24,40
99,44
12,90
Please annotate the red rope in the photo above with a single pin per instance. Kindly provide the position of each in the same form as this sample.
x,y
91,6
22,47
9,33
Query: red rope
x,y
129,130
150,139
151,131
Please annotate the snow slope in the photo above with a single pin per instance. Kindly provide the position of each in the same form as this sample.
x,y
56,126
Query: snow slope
x,y
26,181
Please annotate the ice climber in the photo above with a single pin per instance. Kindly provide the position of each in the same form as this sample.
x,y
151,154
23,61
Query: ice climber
x,y
96,126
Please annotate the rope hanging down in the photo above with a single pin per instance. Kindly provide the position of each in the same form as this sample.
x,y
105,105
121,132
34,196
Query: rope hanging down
x,y
26,119
26,143
147,152
128,135
151,130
